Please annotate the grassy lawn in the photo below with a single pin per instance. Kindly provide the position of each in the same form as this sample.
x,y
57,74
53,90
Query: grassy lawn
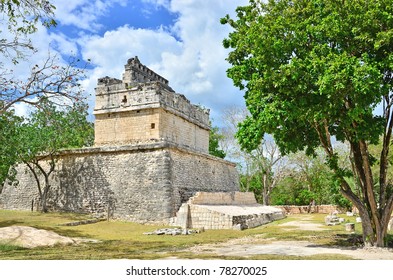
x,y
125,240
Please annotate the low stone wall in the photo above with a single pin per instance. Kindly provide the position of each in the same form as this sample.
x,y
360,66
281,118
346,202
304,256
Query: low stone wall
x,y
231,210
137,182
223,198
304,209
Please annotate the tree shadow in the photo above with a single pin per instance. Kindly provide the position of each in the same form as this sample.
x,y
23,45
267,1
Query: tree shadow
x,y
81,187
9,223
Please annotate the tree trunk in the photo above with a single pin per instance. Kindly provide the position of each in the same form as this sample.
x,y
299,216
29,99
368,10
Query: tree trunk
x,y
44,208
368,232
266,189
44,196
374,235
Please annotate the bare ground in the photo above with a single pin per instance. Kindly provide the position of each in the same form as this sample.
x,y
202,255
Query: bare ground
x,y
257,245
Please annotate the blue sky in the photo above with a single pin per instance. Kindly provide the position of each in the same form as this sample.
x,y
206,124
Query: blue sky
x,y
179,39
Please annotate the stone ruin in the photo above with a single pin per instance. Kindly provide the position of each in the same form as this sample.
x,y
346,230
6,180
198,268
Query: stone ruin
x,y
225,210
149,160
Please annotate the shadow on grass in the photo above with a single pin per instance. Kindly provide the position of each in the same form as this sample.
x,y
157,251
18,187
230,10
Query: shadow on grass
x,y
112,249
5,247
353,241
67,231
347,240
9,223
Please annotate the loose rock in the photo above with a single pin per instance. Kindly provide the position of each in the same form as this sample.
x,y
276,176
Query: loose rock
x,y
172,231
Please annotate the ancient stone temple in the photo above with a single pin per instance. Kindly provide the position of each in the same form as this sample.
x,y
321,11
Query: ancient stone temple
x,y
142,107
150,155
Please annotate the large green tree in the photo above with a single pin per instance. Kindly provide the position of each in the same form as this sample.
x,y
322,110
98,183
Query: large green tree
x,y
317,69
41,138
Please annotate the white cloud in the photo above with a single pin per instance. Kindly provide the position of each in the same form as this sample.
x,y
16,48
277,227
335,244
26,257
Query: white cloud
x,y
189,54
203,75
62,44
84,14
115,47
46,45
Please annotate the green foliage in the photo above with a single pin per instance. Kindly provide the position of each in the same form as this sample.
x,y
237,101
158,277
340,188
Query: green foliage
x,y
50,129
24,15
302,62
314,71
47,131
214,140
294,191
252,183
8,134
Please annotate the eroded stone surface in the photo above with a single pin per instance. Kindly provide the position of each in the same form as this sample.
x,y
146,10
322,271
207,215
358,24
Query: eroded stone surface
x,y
236,210
30,237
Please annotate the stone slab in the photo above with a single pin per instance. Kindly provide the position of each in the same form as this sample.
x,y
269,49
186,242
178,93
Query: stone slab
x,y
242,210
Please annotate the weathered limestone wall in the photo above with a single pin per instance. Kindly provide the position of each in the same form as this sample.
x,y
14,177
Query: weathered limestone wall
x,y
150,114
192,173
180,130
142,107
322,209
120,127
225,210
136,182
224,198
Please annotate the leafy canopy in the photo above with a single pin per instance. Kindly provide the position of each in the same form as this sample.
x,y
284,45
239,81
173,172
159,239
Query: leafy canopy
x,y
24,15
312,64
50,129
8,135
214,143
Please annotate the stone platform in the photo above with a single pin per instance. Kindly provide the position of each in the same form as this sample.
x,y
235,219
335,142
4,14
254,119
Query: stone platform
x,y
225,210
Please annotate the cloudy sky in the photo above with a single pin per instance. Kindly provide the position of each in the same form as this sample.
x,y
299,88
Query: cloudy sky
x,y
179,39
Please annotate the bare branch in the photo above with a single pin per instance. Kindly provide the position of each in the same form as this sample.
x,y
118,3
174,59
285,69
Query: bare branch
x,y
60,84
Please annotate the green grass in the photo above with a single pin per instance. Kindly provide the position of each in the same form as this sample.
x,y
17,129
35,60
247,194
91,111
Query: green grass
x,y
125,240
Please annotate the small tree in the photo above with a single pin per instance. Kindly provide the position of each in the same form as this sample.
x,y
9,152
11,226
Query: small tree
x,y
51,79
308,180
261,168
214,143
45,133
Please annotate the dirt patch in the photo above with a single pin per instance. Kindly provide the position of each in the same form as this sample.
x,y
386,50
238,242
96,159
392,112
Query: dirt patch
x,y
258,245
303,225
291,248
30,237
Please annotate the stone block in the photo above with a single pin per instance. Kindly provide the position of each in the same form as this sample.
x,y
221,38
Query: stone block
x,y
350,227
332,220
